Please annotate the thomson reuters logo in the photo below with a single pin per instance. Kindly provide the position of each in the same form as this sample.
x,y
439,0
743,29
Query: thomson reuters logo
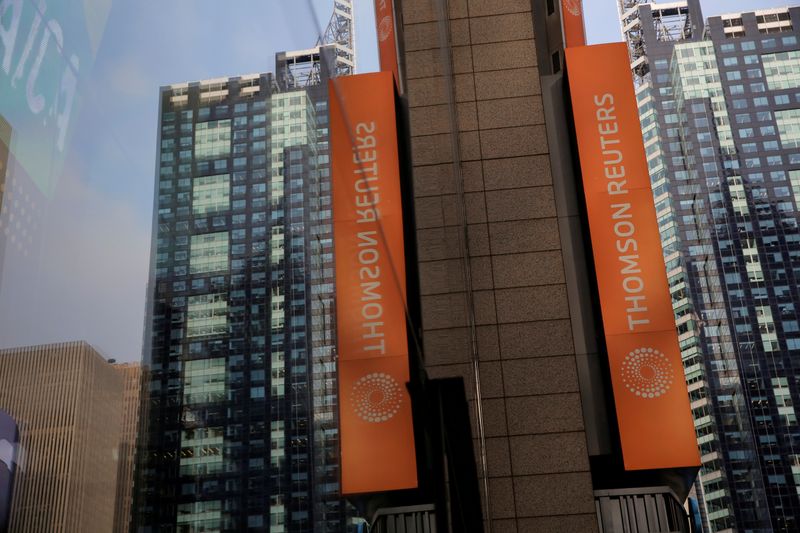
x,y
573,6
385,28
647,373
377,397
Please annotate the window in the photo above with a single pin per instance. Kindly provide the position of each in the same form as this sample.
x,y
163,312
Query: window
x,y
209,253
207,315
211,194
212,139
788,122
782,69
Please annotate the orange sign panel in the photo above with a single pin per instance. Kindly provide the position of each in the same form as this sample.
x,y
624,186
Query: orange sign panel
x,y
376,428
655,420
572,19
387,37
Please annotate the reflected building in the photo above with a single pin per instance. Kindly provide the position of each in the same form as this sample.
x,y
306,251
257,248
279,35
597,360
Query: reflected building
x,y
131,388
67,401
719,103
5,152
239,414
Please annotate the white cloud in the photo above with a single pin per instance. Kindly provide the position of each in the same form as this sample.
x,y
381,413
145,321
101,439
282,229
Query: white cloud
x,y
129,79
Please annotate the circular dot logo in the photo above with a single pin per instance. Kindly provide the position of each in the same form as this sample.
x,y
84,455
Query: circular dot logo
x,y
385,28
573,6
376,397
647,373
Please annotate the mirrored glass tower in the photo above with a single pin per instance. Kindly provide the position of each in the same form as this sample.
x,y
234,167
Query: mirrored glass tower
x,y
240,409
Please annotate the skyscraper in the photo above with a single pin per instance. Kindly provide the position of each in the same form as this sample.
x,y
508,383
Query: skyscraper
x,y
67,401
131,388
719,105
239,423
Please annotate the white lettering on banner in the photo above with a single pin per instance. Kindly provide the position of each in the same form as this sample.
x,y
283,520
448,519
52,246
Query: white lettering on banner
x,y
624,228
366,198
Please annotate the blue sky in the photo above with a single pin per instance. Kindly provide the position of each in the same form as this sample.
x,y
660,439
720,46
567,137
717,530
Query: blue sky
x,y
85,276
86,273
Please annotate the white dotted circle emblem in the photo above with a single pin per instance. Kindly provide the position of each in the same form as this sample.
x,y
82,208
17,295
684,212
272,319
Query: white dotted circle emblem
x,y
647,373
385,28
574,7
376,397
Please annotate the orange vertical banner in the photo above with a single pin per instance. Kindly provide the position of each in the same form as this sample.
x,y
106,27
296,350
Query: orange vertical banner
x,y
572,19
387,38
655,421
376,427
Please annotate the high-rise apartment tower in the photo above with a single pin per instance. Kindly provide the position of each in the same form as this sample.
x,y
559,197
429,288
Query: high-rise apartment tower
x,y
719,104
239,420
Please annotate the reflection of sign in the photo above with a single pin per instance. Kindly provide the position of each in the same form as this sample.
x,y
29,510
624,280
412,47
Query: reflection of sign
x,y
573,7
44,46
377,437
6,453
655,421
572,19
387,45
9,437
385,28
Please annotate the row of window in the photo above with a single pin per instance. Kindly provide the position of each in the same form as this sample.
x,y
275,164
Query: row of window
x,y
789,40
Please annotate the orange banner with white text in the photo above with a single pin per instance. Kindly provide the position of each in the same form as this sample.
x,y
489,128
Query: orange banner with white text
x,y
387,38
572,19
376,427
655,421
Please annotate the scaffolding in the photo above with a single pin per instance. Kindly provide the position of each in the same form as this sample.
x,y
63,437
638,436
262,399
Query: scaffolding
x,y
671,22
341,33
302,68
